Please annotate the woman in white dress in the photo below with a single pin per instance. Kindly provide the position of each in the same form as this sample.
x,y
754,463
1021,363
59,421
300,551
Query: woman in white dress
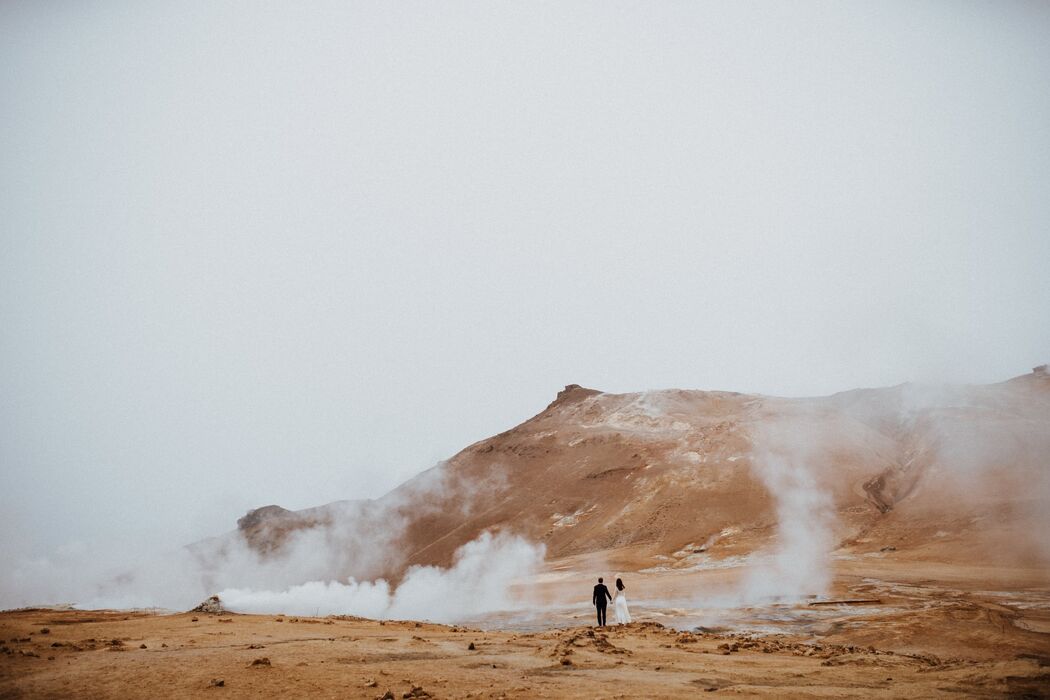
x,y
623,615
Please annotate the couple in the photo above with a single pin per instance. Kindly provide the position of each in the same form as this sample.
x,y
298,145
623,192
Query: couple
x,y
601,597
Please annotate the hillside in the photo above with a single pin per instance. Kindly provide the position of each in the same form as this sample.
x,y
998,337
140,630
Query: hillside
x,y
678,479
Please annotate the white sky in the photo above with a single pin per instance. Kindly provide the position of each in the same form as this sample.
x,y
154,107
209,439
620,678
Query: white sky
x,y
260,253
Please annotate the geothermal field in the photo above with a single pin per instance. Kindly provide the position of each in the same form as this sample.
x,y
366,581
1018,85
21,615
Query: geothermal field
x,y
878,542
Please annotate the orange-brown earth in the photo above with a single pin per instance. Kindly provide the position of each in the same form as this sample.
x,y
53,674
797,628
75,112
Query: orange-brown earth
x,y
953,474
106,654
931,506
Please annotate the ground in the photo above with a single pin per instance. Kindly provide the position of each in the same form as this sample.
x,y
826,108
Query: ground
x,y
120,654
935,631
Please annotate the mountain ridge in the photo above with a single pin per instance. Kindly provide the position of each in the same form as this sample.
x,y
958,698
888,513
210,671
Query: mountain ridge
x,y
639,477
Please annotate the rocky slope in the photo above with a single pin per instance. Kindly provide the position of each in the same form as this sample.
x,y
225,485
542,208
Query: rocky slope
x,y
670,478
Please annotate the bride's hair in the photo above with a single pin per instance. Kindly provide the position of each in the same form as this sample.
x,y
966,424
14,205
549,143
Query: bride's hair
x,y
619,585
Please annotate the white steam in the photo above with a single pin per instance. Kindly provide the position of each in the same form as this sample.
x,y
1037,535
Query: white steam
x,y
784,455
956,454
332,558
478,582
800,565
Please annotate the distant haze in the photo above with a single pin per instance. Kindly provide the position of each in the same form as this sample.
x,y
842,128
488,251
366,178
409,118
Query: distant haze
x,y
260,253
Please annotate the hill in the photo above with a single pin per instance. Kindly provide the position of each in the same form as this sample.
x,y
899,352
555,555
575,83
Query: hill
x,y
682,479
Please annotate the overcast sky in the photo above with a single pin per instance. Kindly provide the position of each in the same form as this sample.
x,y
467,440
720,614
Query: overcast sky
x,y
290,253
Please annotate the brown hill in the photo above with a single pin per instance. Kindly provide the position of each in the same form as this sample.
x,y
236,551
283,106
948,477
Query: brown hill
x,y
669,478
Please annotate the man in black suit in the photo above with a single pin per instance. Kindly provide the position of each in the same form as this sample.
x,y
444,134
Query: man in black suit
x,y
600,598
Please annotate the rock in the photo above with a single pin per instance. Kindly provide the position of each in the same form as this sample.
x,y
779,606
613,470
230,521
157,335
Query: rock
x,y
211,605
471,647
193,619
218,682
371,683
142,646
261,661
388,695
45,630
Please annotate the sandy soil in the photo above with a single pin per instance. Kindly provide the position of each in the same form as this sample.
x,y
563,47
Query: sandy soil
x,y
115,654
936,631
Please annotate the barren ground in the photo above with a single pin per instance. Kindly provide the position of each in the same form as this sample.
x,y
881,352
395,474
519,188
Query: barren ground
x,y
937,631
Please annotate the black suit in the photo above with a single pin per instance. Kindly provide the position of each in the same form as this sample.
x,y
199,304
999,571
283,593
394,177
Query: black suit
x,y
600,598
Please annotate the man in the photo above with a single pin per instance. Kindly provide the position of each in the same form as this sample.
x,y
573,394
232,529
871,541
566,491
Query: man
x,y
600,598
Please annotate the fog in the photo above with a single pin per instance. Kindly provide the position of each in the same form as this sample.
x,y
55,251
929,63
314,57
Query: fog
x,y
254,253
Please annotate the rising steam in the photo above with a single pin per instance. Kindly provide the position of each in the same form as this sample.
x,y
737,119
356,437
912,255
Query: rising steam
x,y
477,582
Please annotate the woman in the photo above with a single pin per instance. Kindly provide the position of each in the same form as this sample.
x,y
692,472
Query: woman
x,y
623,615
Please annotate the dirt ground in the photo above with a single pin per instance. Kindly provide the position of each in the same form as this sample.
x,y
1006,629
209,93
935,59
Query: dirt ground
x,y
110,654
889,628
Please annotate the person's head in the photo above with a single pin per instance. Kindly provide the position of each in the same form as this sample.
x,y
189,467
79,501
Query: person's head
x,y
600,579
619,584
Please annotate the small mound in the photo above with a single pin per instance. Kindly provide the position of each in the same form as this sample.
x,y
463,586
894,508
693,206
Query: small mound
x,y
212,605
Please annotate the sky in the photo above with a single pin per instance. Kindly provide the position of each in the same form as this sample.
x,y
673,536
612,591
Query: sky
x,y
257,253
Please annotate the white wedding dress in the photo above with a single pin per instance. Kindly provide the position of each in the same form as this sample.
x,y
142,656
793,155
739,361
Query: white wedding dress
x,y
623,615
